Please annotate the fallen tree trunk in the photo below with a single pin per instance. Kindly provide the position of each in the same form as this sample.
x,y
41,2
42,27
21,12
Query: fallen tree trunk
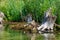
x,y
49,21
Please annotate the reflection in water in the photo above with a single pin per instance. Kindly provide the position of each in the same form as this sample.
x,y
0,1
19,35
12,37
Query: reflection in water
x,y
1,27
48,36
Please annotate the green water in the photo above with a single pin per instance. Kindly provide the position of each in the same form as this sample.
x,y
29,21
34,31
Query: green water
x,y
4,35
10,34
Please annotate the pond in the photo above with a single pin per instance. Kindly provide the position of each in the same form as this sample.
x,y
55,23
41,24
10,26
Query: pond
x,y
9,34
4,35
